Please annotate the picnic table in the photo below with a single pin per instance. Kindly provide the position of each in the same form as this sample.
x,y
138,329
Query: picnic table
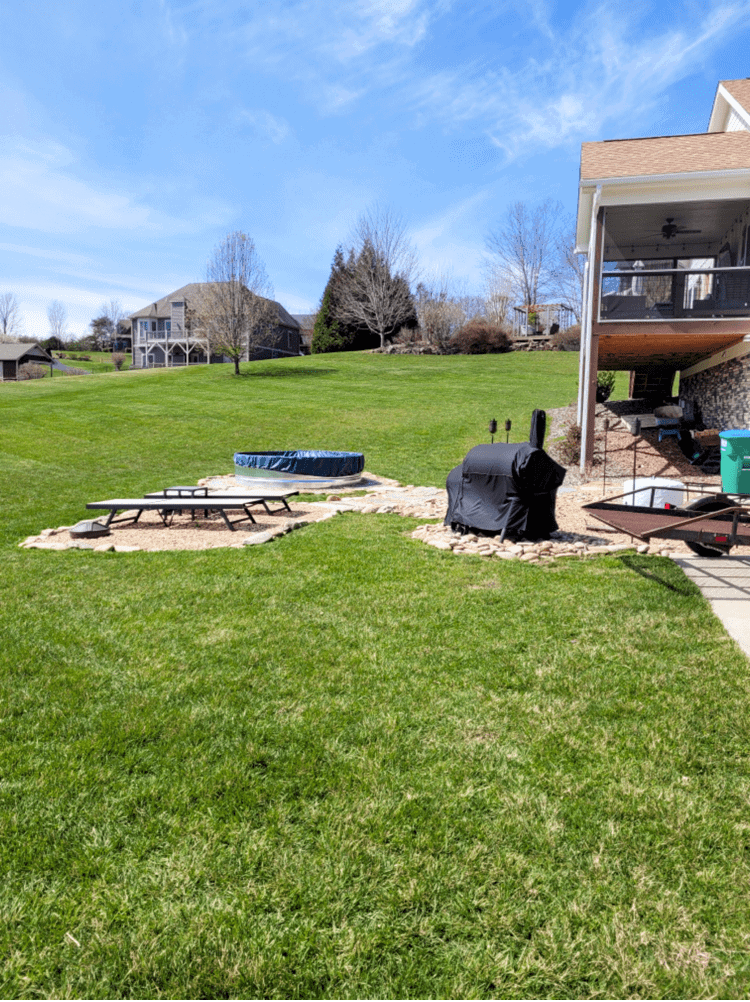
x,y
166,504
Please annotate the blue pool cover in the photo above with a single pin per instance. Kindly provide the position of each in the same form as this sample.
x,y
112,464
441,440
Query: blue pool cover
x,y
304,462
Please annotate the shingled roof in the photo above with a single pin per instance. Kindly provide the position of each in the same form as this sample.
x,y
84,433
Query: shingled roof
x,y
740,91
709,151
11,351
162,308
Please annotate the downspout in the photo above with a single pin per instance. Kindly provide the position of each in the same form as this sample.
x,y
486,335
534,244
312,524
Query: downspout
x,y
588,310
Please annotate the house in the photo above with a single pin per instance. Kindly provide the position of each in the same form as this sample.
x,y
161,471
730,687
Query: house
x,y
14,354
123,339
664,224
165,333
306,323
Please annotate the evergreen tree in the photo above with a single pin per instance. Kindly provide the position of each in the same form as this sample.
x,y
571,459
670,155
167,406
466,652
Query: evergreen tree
x,y
331,333
326,333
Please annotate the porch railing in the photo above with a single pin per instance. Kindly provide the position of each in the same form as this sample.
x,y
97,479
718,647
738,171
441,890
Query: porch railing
x,y
671,293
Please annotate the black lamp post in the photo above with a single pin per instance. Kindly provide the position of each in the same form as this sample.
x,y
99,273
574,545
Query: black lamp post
x,y
507,431
493,428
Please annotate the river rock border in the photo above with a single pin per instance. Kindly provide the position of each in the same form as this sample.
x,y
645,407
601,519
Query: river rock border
x,y
562,544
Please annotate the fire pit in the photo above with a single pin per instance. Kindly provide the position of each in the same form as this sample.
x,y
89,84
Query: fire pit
x,y
88,529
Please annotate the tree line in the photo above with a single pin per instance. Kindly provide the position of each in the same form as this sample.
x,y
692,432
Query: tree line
x,y
375,293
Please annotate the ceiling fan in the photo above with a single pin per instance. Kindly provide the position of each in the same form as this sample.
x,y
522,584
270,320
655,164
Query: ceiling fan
x,y
670,229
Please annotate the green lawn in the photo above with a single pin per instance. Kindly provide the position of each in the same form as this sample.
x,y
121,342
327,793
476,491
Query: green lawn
x,y
98,361
346,764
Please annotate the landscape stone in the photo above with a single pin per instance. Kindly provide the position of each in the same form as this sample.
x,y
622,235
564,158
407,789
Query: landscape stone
x,y
258,537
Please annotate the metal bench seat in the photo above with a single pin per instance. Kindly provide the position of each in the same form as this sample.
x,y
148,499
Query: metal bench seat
x,y
251,499
167,506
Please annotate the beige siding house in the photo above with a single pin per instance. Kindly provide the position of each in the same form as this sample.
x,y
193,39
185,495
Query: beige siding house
x,y
664,224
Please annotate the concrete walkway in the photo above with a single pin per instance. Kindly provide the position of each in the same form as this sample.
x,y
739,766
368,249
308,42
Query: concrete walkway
x,y
725,582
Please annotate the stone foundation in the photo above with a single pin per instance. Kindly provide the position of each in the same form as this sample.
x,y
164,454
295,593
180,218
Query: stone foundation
x,y
722,393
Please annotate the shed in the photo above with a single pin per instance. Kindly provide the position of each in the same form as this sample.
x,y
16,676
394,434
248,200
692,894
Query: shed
x,y
13,354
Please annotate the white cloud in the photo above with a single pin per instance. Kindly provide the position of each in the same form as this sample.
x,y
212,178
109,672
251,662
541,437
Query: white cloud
x,y
40,191
265,125
337,50
81,306
443,245
606,69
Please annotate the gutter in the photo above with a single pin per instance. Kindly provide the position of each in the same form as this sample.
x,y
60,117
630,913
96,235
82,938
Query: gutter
x,y
735,172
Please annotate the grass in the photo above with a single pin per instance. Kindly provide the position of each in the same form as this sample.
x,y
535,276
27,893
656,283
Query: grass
x,y
345,764
98,361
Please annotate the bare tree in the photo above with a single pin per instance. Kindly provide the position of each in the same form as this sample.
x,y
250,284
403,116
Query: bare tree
x,y
498,295
11,324
568,273
377,294
443,308
234,313
58,320
523,246
113,315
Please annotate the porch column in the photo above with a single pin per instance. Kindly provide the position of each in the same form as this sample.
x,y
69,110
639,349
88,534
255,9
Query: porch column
x,y
591,361
582,341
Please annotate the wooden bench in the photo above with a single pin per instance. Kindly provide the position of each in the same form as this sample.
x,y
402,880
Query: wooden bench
x,y
165,505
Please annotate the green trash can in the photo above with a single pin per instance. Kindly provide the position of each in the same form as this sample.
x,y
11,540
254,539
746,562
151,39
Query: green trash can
x,y
735,462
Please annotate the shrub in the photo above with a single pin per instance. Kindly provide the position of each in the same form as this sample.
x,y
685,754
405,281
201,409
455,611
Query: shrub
x,y
118,360
408,336
71,371
32,370
479,337
605,383
569,449
567,340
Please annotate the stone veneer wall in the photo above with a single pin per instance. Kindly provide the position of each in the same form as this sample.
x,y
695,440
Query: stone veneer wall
x,y
722,393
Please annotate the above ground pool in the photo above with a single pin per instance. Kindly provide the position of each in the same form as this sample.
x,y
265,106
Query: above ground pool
x,y
298,469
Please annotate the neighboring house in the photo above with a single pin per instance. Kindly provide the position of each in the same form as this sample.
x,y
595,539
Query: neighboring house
x,y
162,334
306,323
14,354
665,226
123,340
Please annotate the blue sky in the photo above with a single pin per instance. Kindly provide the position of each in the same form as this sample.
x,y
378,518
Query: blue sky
x,y
136,135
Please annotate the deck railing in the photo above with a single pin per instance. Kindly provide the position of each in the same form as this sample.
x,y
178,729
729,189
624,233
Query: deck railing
x,y
671,293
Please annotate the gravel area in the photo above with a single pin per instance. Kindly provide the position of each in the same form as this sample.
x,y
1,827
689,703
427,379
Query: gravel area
x,y
579,534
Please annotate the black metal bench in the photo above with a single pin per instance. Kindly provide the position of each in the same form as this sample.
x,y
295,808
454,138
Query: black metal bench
x,y
164,505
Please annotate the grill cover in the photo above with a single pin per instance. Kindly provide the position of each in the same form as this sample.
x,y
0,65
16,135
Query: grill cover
x,y
505,487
